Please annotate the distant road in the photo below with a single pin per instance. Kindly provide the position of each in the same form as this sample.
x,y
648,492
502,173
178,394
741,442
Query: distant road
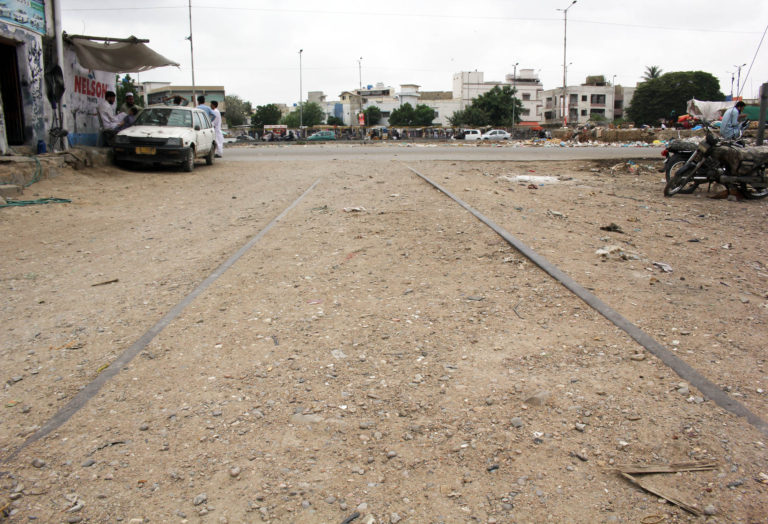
x,y
426,151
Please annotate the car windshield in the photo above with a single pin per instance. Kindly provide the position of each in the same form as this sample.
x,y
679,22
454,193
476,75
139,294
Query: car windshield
x,y
162,116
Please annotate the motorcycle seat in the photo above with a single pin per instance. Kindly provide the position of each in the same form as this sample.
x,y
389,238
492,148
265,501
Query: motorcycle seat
x,y
742,160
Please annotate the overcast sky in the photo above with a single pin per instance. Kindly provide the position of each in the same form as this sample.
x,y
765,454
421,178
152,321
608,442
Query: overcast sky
x,y
251,47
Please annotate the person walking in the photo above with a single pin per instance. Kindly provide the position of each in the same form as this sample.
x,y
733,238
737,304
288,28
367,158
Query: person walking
x,y
219,136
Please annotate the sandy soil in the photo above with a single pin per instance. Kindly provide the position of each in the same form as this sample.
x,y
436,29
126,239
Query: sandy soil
x,y
379,352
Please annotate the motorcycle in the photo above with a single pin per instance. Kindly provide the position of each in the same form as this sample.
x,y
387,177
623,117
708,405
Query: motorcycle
x,y
678,151
725,162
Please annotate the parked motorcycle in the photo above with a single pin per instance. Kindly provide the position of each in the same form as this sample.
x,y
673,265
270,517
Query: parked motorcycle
x,y
725,162
678,151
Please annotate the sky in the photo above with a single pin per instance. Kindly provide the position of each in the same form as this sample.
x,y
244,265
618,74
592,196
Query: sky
x,y
251,47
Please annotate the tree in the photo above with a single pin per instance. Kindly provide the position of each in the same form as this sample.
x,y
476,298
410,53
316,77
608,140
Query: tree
x,y
406,115
500,104
238,111
335,121
657,98
423,115
126,85
402,116
470,117
652,72
266,115
312,114
372,115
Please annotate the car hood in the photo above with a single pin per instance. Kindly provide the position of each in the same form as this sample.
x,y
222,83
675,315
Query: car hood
x,y
155,131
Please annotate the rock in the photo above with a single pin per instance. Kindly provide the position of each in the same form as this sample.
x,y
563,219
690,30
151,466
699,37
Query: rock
x,y
538,399
638,357
88,463
38,463
391,454
394,518
516,422
234,472
200,499
368,519
305,419
709,509
330,500
580,427
144,427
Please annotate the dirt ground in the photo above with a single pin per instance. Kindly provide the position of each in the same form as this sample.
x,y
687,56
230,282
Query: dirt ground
x,y
379,355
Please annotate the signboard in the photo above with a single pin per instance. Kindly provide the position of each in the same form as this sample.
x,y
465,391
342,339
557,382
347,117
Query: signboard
x,y
85,88
361,119
29,14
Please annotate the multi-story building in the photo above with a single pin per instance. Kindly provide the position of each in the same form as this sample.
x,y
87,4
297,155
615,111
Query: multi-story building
x,y
593,100
468,85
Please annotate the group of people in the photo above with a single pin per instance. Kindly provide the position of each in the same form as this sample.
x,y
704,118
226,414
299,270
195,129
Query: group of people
x,y
115,120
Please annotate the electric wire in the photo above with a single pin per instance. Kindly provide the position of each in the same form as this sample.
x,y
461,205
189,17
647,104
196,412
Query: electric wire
x,y
753,61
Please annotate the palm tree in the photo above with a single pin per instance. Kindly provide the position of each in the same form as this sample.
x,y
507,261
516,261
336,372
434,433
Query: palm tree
x,y
652,72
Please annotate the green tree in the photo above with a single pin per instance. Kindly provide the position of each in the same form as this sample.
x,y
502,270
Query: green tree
x,y
126,85
335,121
500,104
402,116
372,115
470,117
657,98
652,72
312,115
238,111
266,115
406,115
423,115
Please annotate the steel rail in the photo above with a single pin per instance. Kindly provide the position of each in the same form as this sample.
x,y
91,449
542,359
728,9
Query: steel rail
x,y
89,391
707,388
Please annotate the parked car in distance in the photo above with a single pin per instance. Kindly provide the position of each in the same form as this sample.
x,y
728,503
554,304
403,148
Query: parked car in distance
x,y
495,134
245,138
472,134
322,135
167,135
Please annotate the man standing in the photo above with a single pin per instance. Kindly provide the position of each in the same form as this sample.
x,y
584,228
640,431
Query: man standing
x,y
729,127
128,104
201,105
219,136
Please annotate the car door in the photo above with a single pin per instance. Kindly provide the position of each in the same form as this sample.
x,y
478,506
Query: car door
x,y
205,134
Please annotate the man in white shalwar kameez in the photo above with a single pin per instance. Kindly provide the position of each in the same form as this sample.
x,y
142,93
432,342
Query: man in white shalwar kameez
x,y
217,128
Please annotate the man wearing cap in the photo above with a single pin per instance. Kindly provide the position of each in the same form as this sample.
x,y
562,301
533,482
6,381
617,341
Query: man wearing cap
x,y
128,104
729,127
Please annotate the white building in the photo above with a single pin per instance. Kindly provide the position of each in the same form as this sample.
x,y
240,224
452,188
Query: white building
x,y
468,85
593,100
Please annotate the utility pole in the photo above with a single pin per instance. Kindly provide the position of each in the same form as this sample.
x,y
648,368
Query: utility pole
x,y
301,94
192,55
763,113
514,87
565,37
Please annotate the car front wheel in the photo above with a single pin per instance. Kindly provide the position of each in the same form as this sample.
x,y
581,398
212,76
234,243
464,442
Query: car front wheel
x,y
189,161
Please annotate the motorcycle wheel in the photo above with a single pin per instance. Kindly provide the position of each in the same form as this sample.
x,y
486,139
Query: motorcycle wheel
x,y
680,179
674,163
754,193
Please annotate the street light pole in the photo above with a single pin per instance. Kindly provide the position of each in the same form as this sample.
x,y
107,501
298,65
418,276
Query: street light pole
x,y
360,71
565,36
514,87
738,79
301,94
192,55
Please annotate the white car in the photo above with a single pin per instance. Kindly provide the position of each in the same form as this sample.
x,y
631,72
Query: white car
x,y
167,135
472,134
495,134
